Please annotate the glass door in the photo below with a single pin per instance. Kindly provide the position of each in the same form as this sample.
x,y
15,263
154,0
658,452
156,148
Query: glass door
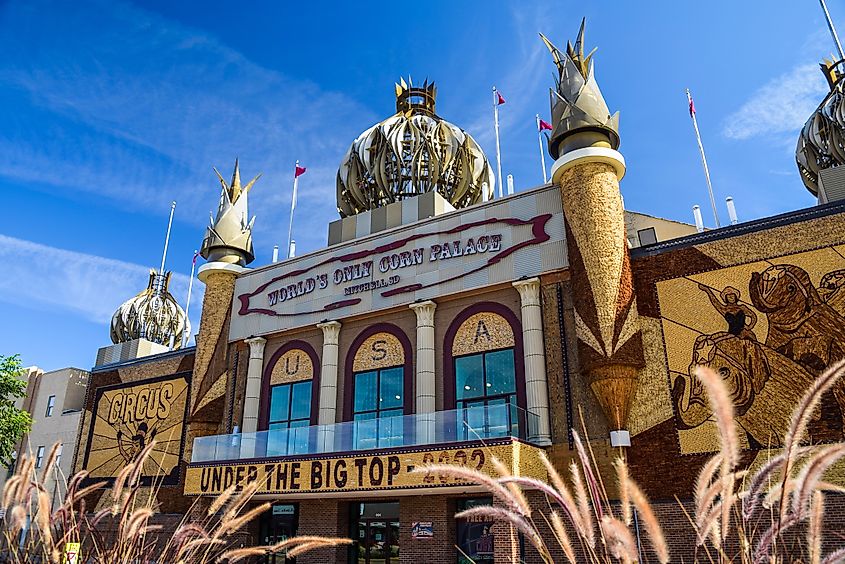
x,y
277,525
377,534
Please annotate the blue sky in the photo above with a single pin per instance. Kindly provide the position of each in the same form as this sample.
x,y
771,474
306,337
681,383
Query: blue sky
x,y
109,110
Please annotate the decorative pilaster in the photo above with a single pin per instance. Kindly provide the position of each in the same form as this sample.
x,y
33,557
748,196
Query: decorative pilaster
x,y
536,385
328,373
426,383
425,356
253,383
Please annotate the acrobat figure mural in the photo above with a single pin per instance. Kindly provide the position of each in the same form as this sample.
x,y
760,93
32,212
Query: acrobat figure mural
x,y
740,318
767,374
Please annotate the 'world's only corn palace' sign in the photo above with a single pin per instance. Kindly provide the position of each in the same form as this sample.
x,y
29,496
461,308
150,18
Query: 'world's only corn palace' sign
x,y
367,471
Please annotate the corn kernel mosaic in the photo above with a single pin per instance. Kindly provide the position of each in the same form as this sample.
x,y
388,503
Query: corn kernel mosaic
x,y
769,327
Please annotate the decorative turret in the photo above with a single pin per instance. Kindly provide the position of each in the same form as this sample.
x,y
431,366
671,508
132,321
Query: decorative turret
x,y
821,143
411,153
153,315
228,237
588,169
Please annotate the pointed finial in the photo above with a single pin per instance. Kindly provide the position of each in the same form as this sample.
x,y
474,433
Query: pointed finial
x,y
236,181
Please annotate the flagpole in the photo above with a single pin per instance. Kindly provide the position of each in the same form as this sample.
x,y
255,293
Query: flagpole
x,y
167,237
542,154
187,336
292,205
703,158
498,149
832,30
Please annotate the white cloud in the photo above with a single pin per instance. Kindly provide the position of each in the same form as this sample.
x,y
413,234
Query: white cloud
x,y
135,109
780,106
41,277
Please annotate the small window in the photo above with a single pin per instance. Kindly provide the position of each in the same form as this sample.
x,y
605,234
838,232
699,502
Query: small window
x,y
51,403
647,236
475,536
59,454
39,457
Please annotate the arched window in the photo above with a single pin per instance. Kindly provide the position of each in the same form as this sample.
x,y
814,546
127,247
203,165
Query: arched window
x,y
379,375
290,393
486,380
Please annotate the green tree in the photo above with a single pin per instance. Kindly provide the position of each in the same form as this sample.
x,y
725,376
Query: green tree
x,y
14,422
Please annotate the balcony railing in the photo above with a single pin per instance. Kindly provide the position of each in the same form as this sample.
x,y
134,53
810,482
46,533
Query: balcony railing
x,y
441,427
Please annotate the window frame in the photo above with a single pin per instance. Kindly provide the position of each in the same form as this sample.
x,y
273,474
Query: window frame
x,y
51,405
449,376
264,402
39,456
515,421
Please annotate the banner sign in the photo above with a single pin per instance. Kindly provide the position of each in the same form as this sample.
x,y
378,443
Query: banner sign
x,y
127,417
447,255
389,471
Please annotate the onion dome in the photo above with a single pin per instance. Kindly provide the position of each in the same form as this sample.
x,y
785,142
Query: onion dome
x,y
410,153
228,237
153,315
580,115
821,143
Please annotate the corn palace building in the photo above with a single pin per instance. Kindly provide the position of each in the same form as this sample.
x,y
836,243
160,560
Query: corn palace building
x,y
442,325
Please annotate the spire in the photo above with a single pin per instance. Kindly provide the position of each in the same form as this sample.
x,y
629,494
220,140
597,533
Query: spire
x,y
579,113
229,235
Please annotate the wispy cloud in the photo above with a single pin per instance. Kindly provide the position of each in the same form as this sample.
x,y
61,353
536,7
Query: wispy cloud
x,y
780,106
150,105
41,277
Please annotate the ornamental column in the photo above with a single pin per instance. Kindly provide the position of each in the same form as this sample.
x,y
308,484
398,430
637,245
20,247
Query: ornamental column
x,y
588,169
327,416
426,382
253,384
536,385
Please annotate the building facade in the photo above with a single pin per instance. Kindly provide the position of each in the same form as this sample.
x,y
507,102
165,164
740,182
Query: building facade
x,y
54,400
443,326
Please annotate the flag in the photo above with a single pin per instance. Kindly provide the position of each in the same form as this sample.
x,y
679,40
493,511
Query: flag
x,y
500,99
300,170
196,254
545,125
691,107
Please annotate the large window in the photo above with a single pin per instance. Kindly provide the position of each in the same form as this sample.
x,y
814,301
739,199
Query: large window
x,y
486,394
378,407
290,414
475,536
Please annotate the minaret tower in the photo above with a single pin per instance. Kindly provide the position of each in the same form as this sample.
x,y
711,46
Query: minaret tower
x,y
588,169
228,249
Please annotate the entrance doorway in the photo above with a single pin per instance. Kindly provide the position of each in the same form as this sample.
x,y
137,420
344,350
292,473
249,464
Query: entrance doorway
x,y
277,525
376,533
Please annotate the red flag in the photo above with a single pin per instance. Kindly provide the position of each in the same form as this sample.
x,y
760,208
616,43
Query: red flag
x,y
500,99
545,125
300,170
691,107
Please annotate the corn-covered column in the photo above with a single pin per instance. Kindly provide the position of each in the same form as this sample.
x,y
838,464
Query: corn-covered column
x,y
425,388
328,384
588,169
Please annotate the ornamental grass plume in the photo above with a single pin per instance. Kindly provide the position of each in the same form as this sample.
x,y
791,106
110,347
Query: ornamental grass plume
x,y
124,530
750,512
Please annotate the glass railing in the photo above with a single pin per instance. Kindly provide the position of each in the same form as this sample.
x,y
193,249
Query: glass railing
x,y
441,427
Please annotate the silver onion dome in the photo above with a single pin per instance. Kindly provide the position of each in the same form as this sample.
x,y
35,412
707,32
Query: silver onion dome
x,y
821,143
153,315
411,153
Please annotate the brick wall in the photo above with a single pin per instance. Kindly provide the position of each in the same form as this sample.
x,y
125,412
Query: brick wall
x,y
440,510
328,518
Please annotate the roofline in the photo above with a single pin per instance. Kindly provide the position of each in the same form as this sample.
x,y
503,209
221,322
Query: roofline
x,y
143,359
753,226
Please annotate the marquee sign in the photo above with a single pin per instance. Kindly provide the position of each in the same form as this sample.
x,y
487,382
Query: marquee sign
x,y
390,470
128,417
422,261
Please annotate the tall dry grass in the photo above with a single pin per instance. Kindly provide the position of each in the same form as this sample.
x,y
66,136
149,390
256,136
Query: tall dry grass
x,y
751,518
123,531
